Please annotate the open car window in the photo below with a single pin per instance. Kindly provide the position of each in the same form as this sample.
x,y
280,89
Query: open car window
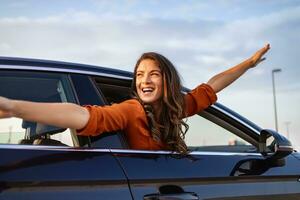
x,y
112,90
37,87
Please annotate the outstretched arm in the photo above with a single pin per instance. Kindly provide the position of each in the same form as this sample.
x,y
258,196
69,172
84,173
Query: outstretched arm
x,y
65,115
222,80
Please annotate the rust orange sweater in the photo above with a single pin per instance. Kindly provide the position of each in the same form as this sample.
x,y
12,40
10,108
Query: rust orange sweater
x,y
130,117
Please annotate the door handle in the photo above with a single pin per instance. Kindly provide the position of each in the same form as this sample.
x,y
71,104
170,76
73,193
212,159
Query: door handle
x,y
176,196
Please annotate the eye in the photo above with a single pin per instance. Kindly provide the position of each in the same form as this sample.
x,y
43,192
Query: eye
x,y
139,74
155,74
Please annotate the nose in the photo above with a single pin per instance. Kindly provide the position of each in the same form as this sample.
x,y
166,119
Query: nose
x,y
146,78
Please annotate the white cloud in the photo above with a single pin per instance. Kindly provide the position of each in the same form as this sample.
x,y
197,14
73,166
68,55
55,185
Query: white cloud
x,y
5,47
211,60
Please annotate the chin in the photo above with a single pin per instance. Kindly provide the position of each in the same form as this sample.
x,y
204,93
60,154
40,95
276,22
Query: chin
x,y
147,101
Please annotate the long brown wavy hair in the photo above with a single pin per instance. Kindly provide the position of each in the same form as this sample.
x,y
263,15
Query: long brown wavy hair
x,y
168,128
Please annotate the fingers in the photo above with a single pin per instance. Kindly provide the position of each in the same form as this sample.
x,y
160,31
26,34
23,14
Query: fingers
x,y
258,56
264,58
259,61
5,104
5,114
266,48
263,50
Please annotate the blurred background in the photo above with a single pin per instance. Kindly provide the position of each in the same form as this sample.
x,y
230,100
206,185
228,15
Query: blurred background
x,y
201,38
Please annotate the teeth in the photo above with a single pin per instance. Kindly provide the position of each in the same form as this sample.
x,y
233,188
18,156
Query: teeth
x,y
147,89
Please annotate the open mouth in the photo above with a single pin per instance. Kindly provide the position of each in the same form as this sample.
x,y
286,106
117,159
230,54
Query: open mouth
x,y
147,90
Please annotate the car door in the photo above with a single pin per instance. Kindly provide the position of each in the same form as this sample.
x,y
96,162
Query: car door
x,y
210,171
224,162
44,162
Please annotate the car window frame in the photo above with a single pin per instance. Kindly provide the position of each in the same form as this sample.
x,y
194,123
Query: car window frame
x,y
64,79
116,139
222,115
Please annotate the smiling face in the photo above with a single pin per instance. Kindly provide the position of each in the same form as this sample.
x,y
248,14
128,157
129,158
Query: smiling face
x,y
149,81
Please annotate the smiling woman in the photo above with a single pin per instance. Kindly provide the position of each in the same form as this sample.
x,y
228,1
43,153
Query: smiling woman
x,y
158,88
152,119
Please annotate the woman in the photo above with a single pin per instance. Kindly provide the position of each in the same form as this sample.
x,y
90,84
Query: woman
x,y
152,119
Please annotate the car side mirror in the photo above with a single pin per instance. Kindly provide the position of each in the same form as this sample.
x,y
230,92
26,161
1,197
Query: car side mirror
x,y
274,146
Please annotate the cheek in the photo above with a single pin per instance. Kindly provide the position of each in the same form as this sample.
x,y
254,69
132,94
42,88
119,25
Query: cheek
x,y
136,85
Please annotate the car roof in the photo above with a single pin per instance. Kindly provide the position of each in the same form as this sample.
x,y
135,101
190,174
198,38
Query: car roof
x,y
50,65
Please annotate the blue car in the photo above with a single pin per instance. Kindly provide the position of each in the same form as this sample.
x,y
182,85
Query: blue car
x,y
230,157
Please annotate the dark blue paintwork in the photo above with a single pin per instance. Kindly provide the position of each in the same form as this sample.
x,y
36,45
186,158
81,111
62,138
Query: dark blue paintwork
x,y
66,171
59,64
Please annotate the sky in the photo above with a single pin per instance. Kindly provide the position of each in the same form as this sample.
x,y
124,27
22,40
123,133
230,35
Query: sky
x,y
201,38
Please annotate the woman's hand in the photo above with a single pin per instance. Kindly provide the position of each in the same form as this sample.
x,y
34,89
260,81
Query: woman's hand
x,y
258,56
6,106
223,79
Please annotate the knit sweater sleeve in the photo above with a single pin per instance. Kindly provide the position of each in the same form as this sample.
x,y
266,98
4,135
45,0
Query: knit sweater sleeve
x,y
108,118
199,99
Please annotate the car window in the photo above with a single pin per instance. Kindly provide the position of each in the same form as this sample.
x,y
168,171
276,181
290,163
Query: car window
x,y
112,90
38,87
206,135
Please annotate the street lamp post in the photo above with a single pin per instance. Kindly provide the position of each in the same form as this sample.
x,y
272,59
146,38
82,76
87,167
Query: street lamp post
x,y
287,129
274,96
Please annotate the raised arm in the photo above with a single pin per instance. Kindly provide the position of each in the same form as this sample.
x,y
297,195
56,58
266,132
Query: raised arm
x,y
65,115
222,80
